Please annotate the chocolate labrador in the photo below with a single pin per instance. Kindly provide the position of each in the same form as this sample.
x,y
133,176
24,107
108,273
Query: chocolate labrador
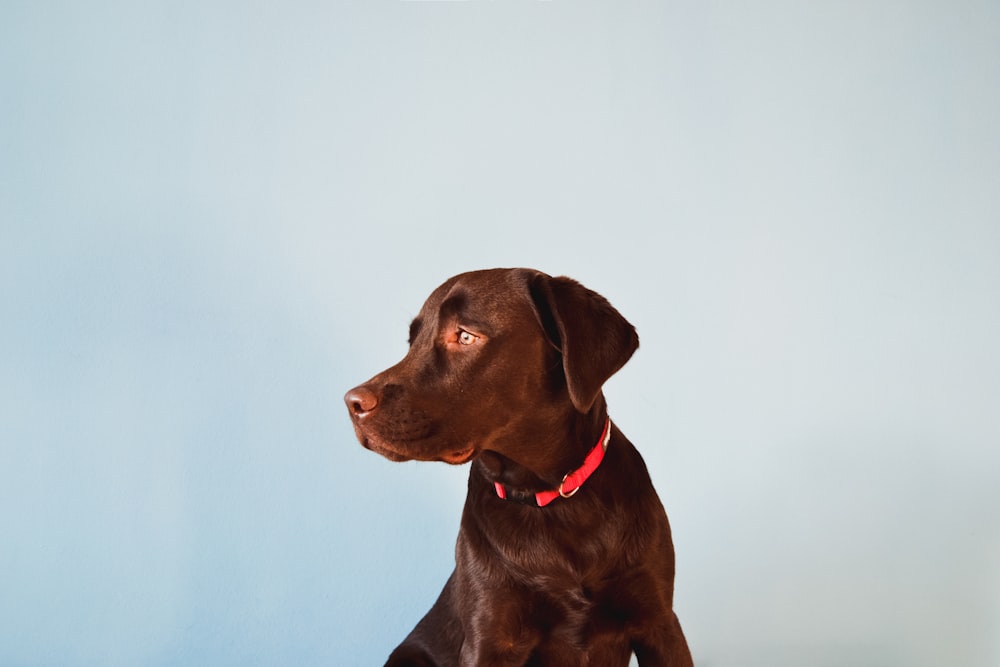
x,y
564,555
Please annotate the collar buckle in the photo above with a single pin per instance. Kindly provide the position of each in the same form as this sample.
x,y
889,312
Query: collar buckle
x,y
563,494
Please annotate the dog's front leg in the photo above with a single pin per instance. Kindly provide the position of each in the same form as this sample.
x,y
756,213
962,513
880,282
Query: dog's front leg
x,y
668,649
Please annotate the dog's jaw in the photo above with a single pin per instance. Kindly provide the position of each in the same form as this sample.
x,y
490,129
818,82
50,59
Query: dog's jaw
x,y
387,450
383,450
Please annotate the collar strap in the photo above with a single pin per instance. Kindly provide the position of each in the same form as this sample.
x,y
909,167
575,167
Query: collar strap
x,y
572,481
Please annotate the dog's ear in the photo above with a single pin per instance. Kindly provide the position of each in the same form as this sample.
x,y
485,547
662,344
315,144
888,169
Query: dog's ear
x,y
593,338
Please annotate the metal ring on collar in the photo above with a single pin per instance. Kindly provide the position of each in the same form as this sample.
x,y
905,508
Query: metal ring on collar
x,y
562,493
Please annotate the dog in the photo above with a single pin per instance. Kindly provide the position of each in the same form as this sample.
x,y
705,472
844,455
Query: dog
x,y
564,555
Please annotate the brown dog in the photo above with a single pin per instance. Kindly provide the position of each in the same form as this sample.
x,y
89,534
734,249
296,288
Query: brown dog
x,y
564,556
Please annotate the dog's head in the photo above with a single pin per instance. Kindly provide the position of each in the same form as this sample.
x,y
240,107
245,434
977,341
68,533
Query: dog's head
x,y
494,356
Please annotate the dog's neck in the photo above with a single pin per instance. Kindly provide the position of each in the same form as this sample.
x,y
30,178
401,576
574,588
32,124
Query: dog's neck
x,y
571,464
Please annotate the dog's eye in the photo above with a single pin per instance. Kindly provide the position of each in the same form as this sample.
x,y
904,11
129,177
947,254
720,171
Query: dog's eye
x,y
466,338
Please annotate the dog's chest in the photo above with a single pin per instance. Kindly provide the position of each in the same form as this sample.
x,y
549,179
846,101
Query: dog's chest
x,y
578,573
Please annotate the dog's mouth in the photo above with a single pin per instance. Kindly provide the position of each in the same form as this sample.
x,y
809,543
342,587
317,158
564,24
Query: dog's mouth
x,y
385,450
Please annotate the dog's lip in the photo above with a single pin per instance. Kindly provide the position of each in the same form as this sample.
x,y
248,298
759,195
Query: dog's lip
x,y
460,456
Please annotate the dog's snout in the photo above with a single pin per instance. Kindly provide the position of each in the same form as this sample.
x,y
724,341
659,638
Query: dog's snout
x,y
360,401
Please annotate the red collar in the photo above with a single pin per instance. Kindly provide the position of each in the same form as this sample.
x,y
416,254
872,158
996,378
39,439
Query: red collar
x,y
572,481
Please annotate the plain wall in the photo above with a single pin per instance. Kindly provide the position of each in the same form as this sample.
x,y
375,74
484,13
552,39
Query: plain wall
x,y
215,218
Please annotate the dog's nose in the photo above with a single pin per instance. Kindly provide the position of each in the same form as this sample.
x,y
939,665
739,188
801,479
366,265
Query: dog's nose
x,y
360,401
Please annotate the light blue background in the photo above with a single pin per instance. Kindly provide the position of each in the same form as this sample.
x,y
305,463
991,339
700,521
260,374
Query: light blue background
x,y
219,216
